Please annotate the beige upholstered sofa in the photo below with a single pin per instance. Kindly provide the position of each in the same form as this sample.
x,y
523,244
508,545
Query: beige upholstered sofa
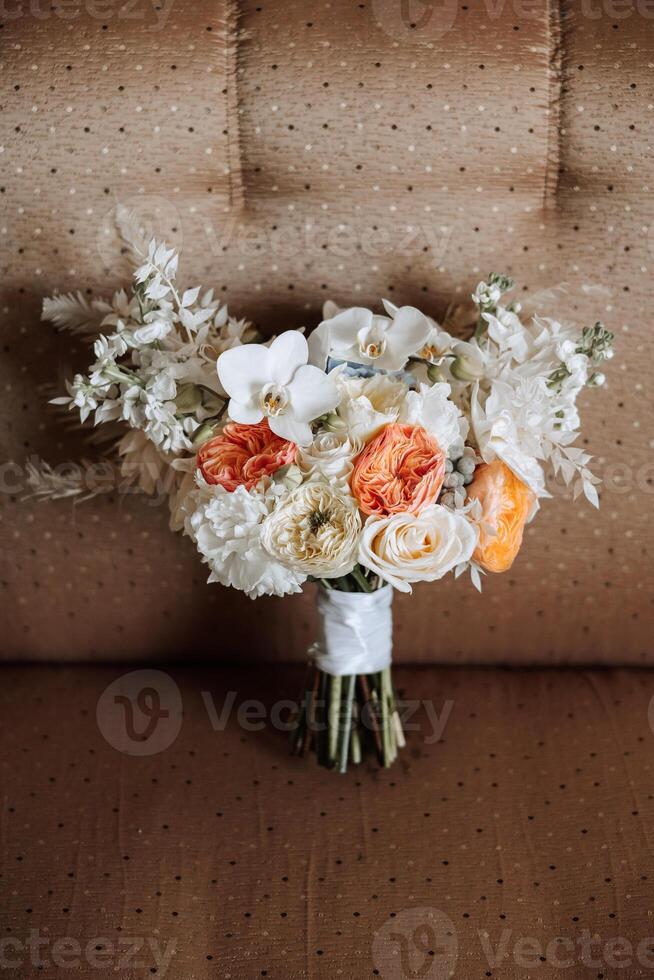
x,y
297,152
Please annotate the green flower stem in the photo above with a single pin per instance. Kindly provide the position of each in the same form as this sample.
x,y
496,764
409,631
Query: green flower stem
x,y
343,717
321,719
355,748
359,577
121,375
346,721
333,716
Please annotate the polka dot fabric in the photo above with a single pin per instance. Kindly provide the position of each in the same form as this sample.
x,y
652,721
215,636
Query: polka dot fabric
x,y
497,851
339,151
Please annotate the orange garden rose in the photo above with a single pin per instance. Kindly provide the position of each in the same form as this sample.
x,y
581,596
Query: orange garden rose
x,y
401,470
506,503
242,454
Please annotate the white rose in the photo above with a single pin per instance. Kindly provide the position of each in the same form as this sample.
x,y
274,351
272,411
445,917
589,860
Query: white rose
x,y
368,404
315,531
329,457
405,548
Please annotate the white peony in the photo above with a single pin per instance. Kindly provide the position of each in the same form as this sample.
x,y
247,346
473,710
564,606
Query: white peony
x,y
227,530
368,404
512,425
329,457
506,330
432,408
406,548
314,530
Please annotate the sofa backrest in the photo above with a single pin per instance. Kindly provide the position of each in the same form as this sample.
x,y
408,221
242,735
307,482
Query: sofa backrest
x,y
303,151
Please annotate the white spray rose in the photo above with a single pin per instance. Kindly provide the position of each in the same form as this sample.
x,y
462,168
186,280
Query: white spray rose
x,y
314,530
329,457
406,548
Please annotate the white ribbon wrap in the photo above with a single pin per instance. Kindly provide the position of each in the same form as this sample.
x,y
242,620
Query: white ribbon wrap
x,y
357,631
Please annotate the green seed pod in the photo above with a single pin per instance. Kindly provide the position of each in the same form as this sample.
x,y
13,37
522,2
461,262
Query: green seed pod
x,y
465,369
435,373
202,434
332,422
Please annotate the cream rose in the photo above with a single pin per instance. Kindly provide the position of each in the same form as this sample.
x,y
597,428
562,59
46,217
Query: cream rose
x,y
315,530
405,548
329,457
368,404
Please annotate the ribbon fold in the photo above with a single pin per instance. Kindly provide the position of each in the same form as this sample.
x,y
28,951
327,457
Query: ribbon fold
x,y
356,631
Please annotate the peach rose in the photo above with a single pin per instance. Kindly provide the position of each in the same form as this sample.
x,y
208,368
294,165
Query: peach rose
x,y
242,454
506,505
400,471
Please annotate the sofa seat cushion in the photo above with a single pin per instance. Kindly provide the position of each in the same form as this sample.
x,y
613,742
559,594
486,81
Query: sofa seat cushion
x,y
522,833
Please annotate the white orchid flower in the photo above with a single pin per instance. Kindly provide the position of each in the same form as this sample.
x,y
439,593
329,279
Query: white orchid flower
x,y
384,342
438,345
277,383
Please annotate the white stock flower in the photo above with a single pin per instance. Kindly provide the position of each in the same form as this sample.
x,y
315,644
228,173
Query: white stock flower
x,y
314,530
329,457
82,395
277,383
432,408
368,404
406,548
487,294
226,528
363,337
575,362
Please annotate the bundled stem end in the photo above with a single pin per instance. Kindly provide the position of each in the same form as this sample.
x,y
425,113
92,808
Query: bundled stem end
x,y
343,718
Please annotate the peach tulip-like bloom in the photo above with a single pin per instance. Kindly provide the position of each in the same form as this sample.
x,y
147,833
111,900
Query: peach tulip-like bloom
x,y
400,471
242,454
506,505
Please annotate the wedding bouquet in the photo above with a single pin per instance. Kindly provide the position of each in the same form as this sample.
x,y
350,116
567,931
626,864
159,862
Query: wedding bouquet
x,y
378,452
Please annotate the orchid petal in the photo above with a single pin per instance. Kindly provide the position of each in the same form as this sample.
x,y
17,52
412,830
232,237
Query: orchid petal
x,y
244,370
344,327
390,308
287,427
318,342
330,309
248,413
408,332
288,352
312,393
